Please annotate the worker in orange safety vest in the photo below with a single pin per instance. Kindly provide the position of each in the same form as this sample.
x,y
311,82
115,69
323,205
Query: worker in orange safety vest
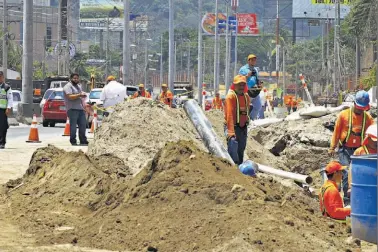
x,y
217,102
142,92
289,104
166,95
294,105
237,118
369,147
349,132
331,203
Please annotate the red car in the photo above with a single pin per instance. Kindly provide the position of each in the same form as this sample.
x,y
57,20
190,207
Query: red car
x,y
54,109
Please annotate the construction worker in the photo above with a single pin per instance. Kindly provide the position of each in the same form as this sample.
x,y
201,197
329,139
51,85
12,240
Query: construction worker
x,y
112,94
254,85
331,203
217,102
289,104
6,104
142,92
294,105
166,96
350,128
237,118
369,147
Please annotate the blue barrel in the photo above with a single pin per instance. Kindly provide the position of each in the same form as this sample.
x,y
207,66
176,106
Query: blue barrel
x,y
364,198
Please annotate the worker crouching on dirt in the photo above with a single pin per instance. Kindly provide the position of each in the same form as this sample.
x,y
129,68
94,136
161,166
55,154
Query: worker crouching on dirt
x,y
142,92
217,102
369,147
331,203
166,96
237,118
349,132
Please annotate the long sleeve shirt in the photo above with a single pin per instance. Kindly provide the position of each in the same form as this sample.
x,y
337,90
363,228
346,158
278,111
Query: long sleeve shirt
x,y
231,110
10,98
331,203
217,103
342,126
363,150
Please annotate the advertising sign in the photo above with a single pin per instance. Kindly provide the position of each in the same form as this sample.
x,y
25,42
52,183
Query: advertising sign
x,y
319,9
247,24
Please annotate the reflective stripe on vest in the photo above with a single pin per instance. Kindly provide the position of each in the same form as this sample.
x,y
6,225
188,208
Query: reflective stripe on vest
x,y
366,150
324,210
3,99
238,107
350,127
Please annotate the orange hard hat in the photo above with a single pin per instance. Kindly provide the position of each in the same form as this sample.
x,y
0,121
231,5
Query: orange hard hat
x,y
239,79
164,85
110,78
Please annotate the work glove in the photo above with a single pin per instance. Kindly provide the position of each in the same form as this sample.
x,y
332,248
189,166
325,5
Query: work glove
x,y
331,152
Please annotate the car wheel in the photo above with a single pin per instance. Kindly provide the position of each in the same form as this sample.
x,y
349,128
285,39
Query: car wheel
x,y
45,124
52,124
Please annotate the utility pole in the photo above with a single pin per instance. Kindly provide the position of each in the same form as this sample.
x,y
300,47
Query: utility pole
x,y
107,49
5,39
216,50
171,46
358,60
283,70
188,66
227,65
27,55
126,43
235,4
278,43
327,59
161,59
336,42
200,69
59,37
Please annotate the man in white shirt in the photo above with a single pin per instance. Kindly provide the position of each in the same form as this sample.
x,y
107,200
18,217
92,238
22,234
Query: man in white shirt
x,y
112,94
6,104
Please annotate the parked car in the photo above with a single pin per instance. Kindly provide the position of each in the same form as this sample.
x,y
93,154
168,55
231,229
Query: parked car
x,y
94,96
54,109
16,99
130,90
47,95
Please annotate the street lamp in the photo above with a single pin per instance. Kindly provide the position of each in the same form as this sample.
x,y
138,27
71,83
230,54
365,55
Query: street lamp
x,y
146,61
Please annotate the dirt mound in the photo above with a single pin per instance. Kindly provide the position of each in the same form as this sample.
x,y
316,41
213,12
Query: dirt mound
x,y
184,200
255,150
138,129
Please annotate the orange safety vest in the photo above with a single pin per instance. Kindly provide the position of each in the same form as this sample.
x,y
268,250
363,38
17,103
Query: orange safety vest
x,y
350,127
238,112
217,103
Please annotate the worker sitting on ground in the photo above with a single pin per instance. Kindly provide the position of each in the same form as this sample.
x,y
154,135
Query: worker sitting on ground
x,y
237,118
294,105
369,147
349,132
217,102
112,94
166,96
331,203
142,92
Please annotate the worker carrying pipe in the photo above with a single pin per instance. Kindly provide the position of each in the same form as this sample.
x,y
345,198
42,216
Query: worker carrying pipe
x,y
237,118
369,147
349,132
331,203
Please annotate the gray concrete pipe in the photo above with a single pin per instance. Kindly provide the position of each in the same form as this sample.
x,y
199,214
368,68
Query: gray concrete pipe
x,y
205,130
215,146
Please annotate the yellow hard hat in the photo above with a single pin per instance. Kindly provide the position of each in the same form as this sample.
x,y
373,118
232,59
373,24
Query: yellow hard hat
x,y
110,78
164,85
251,56
141,85
239,79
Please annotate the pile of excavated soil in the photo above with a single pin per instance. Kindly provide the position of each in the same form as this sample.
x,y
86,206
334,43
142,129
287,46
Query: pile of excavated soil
x,y
136,130
184,200
254,151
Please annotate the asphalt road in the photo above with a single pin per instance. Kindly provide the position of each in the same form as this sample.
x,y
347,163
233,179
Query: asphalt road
x,y
15,132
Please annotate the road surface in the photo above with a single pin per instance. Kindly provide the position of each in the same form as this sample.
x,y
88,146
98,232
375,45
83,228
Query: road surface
x,y
17,132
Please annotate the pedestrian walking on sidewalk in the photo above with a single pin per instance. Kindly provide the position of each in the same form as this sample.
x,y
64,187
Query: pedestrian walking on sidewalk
x,y
74,98
236,115
6,104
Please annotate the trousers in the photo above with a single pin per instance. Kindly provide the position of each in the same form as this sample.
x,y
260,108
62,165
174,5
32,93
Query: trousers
x,y
236,146
3,127
77,117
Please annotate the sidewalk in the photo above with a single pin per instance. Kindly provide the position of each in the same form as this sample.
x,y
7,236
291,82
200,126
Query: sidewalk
x,y
16,157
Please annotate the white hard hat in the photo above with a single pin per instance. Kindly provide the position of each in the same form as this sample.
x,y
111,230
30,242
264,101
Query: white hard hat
x,y
372,131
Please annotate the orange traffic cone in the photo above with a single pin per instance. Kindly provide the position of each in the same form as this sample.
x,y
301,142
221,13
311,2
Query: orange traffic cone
x,y
33,135
67,128
94,122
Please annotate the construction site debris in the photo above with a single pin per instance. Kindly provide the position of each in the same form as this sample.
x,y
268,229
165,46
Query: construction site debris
x,y
137,129
183,200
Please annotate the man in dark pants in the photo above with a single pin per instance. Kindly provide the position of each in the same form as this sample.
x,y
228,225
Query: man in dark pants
x,y
6,104
74,100
237,118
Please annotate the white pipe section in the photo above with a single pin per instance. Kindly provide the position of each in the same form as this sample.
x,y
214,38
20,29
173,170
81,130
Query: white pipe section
x,y
284,174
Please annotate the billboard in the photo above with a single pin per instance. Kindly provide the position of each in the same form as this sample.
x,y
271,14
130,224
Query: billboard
x,y
319,9
247,24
